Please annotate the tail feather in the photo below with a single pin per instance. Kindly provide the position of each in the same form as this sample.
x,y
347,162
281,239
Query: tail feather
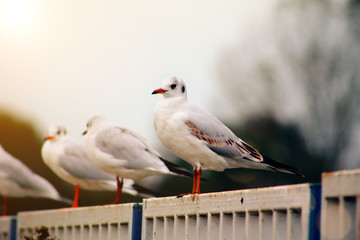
x,y
176,169
179,170
64,200
145,192
281,167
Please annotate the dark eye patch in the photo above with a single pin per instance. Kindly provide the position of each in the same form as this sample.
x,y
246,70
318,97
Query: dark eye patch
x,y
173,86
183,89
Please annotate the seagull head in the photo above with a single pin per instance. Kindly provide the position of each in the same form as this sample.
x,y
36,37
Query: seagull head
x,y
56,132
172,87
94,122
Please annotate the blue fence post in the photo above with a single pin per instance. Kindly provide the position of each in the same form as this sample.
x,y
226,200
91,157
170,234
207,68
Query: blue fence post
x,y
315,214
13,228
137,221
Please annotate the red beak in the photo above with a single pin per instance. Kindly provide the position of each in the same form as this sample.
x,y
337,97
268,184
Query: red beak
x,y
159,90
85,132
48,138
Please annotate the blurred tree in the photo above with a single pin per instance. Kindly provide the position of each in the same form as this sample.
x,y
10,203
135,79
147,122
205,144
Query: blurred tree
x,y
300,69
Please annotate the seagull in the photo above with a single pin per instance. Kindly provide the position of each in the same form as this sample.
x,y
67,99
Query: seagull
x,y
124,153
199,138
17,180
66,157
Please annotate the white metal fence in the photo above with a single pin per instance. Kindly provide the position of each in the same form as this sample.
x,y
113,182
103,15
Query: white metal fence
x,y
340,217
285,212
103,222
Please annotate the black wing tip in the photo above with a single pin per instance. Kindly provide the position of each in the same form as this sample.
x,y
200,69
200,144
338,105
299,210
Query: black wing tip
x,y
145,191
279,166
175,168
179,170
298,173
65,200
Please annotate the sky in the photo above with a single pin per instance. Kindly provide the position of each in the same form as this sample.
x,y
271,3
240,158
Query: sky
x,y
62,62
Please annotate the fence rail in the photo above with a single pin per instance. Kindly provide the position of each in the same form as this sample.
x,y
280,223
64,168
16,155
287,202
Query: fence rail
x,y
283,212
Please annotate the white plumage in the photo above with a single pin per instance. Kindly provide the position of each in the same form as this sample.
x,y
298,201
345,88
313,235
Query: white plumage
x,y
200,138
121,152
17,180
66,157
124,153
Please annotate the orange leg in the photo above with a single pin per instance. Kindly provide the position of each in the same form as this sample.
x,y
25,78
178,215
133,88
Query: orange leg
x,y
198,176
4,205
194,182
119,184
76,197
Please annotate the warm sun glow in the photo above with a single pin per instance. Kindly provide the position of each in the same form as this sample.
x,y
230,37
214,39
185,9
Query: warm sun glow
x,y
17,14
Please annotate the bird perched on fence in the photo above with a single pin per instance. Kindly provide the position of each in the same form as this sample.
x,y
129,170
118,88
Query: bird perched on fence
x,y
124,153
201,139
17,180
66,157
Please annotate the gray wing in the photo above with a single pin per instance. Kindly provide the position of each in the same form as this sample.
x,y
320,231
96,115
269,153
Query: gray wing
x,y
17,172
75,162
218,137
124,144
